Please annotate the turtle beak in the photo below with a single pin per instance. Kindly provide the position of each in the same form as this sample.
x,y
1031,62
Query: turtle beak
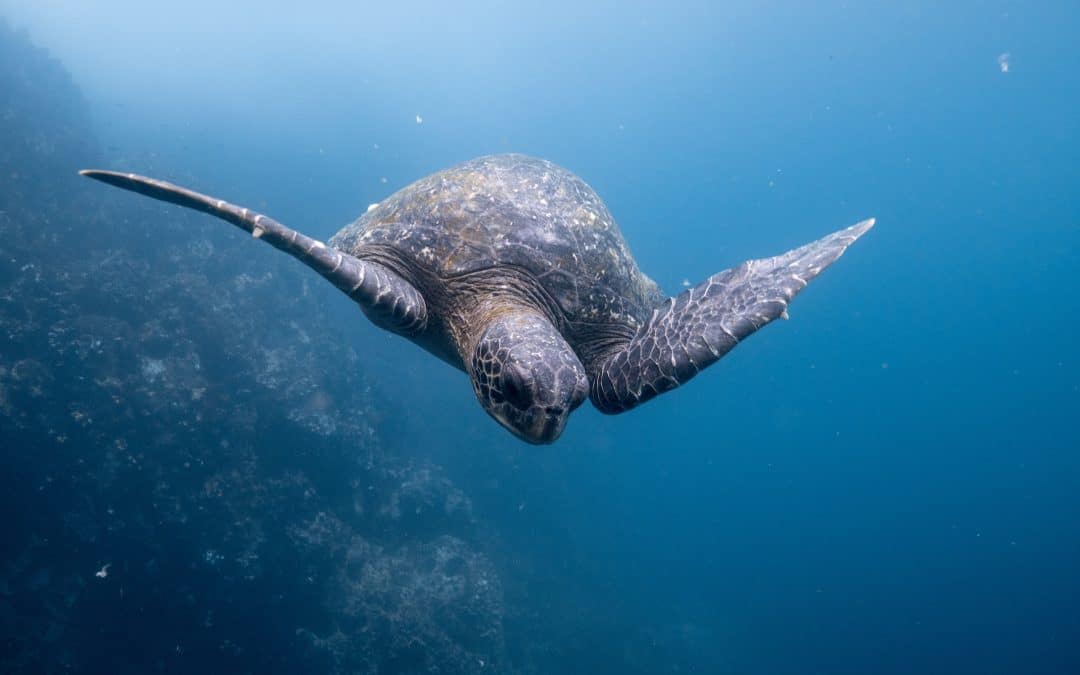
x,y
547,428
542,426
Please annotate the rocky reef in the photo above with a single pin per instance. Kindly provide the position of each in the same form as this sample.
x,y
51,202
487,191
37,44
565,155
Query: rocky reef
x,y
194,478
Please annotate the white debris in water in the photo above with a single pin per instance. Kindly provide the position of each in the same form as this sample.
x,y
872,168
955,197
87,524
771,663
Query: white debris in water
x,y
372,207
382,179
103,572
1003,61
686,283
419,120
152,368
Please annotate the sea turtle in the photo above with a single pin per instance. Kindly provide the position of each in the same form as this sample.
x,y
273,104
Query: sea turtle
x,y
513,270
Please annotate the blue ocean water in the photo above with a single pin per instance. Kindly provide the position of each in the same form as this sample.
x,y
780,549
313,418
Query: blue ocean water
x,y
885,483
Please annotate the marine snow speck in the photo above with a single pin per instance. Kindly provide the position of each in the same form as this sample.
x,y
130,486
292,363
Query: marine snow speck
x,y
513,270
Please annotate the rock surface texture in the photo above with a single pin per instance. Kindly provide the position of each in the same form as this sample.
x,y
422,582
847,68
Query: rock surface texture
x,y
191,482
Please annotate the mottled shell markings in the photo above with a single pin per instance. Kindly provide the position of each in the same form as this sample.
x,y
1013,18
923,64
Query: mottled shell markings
x,y
518,211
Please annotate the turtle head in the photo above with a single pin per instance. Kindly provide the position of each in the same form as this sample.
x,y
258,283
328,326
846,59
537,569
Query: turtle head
x,y
526,376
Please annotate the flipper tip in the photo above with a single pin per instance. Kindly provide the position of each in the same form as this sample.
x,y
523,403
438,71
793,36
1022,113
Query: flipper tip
x,y
849,235
862,226
96,174
127,181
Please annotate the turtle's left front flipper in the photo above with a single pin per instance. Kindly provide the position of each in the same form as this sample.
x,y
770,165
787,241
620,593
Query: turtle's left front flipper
x,y
694,329
388,300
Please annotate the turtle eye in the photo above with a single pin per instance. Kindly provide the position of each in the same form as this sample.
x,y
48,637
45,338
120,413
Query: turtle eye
x,y
514,391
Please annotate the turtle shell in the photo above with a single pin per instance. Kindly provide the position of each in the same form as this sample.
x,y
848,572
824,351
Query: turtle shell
x,y
513,210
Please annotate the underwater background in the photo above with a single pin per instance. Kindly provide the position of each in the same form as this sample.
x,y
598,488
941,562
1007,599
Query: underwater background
x,y
212,462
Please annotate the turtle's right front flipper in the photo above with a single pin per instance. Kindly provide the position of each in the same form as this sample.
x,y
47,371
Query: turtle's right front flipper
x,y
694,329
388,300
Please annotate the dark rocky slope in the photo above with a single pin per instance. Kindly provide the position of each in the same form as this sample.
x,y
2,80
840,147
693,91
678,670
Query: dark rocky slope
x,y
220,466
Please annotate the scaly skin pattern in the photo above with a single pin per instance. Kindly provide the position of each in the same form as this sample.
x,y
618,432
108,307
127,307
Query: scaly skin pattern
x,y
694,329
526,376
